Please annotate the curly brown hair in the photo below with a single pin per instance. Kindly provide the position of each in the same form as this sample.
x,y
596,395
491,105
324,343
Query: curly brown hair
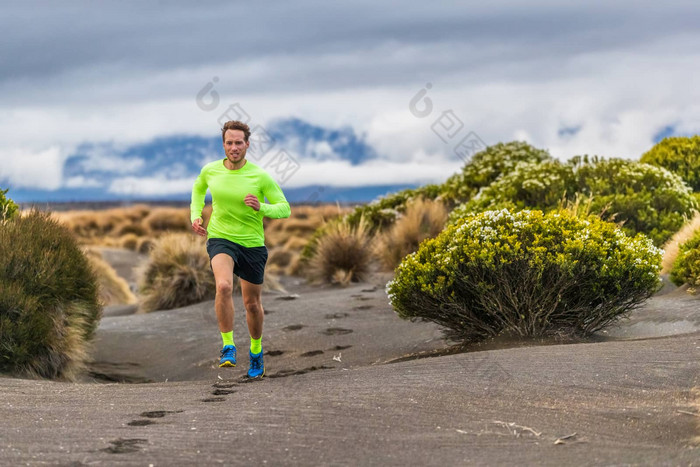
x,y
236,125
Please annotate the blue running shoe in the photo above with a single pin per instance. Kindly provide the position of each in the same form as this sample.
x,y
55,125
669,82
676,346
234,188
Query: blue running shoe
x,y
228,356
257,367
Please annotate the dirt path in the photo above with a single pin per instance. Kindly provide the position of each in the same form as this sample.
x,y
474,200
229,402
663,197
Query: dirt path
x,y
633,402
332,397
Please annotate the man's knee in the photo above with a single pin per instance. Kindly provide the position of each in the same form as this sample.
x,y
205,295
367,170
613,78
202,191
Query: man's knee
x,y
252,305
224,287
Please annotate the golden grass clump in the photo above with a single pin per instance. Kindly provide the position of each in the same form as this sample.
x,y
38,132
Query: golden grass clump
x,y
343,254
144,245
279,257
176,274
112,289
296,243
168,219
422,219
129,241
129,227
680,237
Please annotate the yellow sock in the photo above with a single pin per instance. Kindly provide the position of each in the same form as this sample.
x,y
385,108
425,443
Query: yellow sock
x,y
256,345
227,337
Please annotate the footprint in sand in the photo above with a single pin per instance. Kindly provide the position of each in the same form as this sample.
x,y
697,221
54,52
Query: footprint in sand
x,y
373,289
362,307
341,347
122,446
312,353
224,385
293,327
284,373
337,315
336,331
159,413
140,422
275,353
222,392
214,399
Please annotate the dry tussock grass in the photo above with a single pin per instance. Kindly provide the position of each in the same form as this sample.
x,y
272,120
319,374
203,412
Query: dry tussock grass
x,y
176,274
137,228
295,243
680,237
129,241
343,255
112,289
422,219
168,219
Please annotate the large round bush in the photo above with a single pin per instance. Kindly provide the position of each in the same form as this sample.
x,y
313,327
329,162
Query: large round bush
x,y
49,305
680,155
529,185
527,274
686,267
486,166
644,198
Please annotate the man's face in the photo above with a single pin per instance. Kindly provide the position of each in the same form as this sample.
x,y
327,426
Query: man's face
x,y
235,145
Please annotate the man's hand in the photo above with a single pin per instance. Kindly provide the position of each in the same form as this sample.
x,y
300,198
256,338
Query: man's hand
x,y
197,227
252,201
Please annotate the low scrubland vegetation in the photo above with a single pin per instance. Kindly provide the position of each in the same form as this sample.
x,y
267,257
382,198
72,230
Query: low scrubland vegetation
x,y
518,241
621,210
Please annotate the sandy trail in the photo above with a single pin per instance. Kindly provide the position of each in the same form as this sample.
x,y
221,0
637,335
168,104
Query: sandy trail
x,y
331,397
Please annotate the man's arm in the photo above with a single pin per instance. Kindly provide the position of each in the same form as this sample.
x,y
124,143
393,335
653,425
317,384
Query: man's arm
x,y
199,192
278,207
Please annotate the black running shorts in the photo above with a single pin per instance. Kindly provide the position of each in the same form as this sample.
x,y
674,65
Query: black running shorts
x,y
248,263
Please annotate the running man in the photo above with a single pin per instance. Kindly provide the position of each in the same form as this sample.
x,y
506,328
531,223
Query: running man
x,y
235,236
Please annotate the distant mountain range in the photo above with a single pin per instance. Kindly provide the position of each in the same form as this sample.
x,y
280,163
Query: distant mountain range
x,y
110,171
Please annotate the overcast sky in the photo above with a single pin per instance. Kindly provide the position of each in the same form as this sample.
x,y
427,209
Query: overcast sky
x,y
572,77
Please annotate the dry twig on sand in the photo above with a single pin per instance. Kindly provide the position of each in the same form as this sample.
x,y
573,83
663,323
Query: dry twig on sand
x,y
512,427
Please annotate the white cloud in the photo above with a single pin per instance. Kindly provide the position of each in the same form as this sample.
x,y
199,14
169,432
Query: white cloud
x,y
150,186
105,158
81,182
512,70
431,169
32,169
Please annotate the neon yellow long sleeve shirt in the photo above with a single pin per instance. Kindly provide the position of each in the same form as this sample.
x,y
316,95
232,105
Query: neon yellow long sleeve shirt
x,y
231,218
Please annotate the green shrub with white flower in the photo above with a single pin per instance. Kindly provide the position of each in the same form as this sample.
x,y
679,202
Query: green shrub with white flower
x,y
486,166
644,198
680,155
539,185
525,274
686,267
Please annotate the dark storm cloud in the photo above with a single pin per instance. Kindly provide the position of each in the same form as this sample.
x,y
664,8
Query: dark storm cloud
x,y
42,40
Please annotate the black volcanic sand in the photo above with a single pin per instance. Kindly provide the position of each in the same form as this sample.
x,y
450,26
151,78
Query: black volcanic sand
x,y
332,396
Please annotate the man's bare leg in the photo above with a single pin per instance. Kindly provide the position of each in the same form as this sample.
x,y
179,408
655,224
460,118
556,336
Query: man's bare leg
x,y
222,265
252,299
